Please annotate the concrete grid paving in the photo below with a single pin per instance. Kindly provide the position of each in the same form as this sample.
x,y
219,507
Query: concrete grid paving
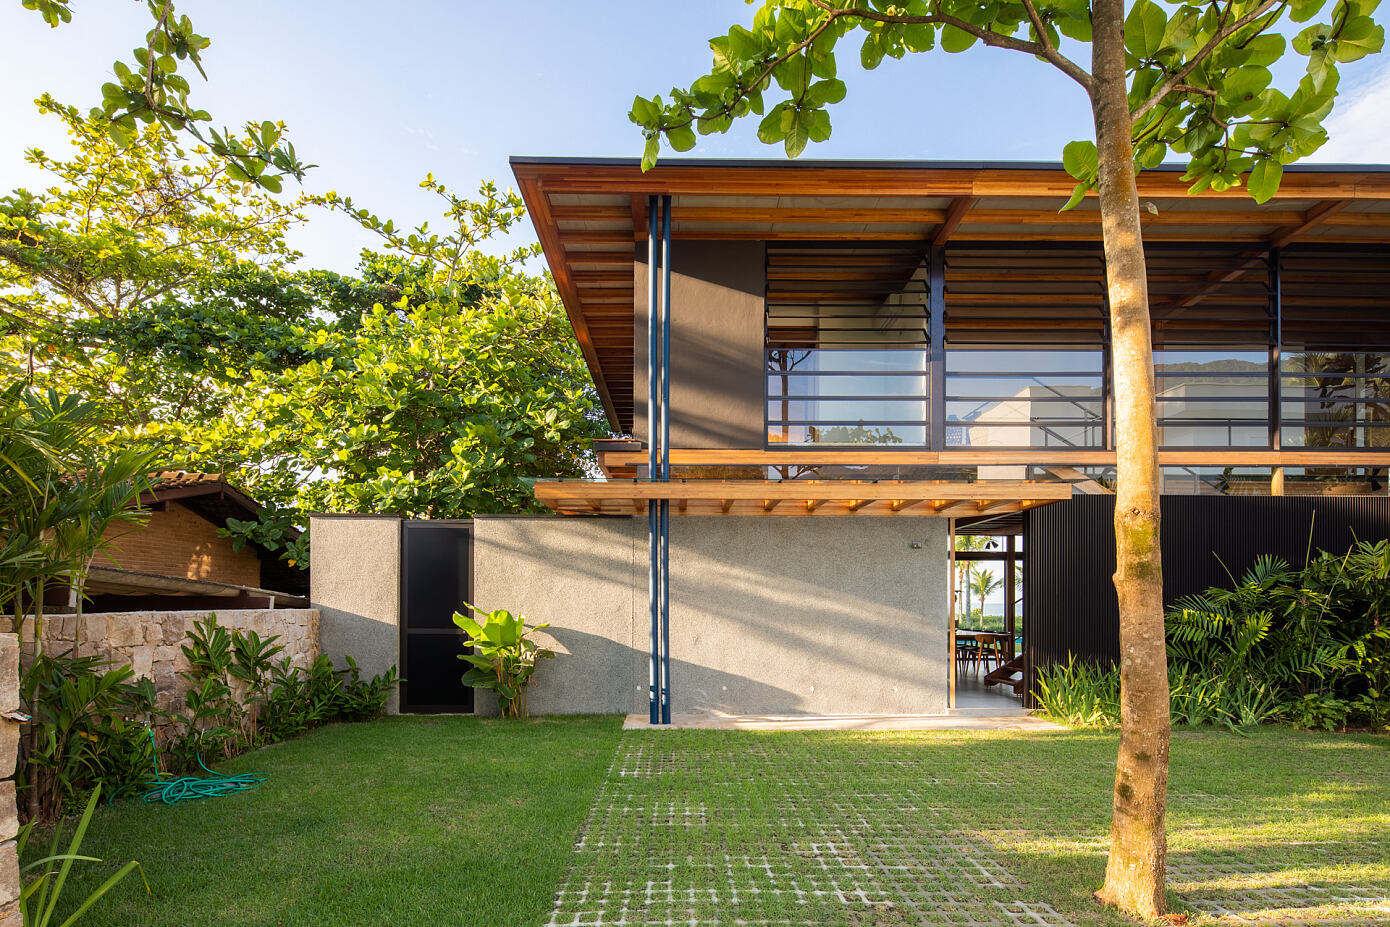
x,y
791,840
774,831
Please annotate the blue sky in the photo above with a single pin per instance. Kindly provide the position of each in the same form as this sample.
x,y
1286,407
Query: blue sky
x,y
378,94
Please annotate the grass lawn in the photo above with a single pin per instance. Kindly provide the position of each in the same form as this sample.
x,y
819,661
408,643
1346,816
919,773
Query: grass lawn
x,y
466,822
407,821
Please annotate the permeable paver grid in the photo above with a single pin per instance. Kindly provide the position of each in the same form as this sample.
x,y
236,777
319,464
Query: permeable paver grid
x,y
795,829
748,834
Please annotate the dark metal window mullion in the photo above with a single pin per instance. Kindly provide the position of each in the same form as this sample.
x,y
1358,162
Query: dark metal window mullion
x,y
936,346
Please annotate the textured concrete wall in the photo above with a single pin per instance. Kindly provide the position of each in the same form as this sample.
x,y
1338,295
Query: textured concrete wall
x,y
179,542
9,752
152,642
355,585
580,575
820,615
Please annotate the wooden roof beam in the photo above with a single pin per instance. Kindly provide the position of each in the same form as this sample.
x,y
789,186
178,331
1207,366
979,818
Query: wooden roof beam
x,y
955,213
640,223
1314,217
1252,259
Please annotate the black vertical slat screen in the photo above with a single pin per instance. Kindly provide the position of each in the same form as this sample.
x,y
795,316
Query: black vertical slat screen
x,y
1069,602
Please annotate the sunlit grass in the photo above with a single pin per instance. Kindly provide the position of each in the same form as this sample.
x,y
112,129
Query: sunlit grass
x,y
464,821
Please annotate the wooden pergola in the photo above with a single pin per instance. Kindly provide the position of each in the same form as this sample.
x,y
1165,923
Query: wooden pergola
x,y
910,498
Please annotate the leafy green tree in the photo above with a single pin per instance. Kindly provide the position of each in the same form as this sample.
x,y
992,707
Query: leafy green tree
x,y
149,91
123,233
1191,79
427,407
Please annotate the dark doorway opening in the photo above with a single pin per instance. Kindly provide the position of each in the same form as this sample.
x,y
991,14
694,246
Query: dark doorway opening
x,y
436,581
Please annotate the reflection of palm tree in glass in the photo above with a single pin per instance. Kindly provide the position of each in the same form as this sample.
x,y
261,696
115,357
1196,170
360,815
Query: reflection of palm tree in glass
x,y
1334,381
855,434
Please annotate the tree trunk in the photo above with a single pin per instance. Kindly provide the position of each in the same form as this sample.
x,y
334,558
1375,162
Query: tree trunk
x,y
1134,875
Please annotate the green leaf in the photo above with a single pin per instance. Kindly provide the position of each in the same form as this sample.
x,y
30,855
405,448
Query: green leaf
x,y
644,112
955,40
650,153
682,138
1264,180
826,91
1081,160
1077,195
772,130
798,133
1144,27
871,52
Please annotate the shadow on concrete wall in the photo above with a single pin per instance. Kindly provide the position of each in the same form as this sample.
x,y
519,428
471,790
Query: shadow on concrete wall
x,y
600,676
873,638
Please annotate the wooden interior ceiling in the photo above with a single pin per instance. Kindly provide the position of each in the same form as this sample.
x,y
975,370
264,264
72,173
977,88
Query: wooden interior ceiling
x,y
910,498
591,214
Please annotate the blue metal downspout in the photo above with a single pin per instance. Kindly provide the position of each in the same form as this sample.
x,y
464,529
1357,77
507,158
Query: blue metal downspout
x,y
665,516
653,526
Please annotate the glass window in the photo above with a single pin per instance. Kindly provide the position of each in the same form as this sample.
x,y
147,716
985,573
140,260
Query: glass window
x,y
846,373
1336,399
1024,398
1212,397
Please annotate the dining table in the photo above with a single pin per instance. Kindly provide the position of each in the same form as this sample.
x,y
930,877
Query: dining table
x,y
991,641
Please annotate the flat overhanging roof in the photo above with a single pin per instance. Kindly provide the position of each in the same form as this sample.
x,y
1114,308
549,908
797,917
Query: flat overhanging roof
x,y
590,214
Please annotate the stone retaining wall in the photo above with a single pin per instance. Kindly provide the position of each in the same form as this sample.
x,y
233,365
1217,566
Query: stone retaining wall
x,y
151,642
9,751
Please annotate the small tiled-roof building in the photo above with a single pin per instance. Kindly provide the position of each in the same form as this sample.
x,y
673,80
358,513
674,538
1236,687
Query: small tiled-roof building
x,y
178,553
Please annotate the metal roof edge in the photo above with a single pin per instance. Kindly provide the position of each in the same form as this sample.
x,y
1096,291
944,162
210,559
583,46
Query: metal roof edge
x,y
894,164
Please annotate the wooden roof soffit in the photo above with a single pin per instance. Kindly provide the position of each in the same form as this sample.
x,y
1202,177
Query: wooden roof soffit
x,y
538,206
793,497
1252,259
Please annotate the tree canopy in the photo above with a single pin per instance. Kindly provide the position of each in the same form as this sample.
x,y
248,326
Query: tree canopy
x,y
1198,74
151,281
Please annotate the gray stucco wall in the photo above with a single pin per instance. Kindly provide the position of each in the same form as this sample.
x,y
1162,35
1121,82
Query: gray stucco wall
x,y
768,615
717,324
355,585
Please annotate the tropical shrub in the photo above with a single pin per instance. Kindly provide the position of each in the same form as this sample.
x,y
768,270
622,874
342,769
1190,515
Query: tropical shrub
x,y
503,657
1308,646
82,732
1080,694
42,890
1314,641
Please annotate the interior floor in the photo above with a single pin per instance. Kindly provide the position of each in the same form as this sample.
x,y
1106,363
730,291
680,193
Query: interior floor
x,y
972,693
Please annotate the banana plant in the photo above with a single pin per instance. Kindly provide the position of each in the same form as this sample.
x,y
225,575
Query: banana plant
x,y
503,657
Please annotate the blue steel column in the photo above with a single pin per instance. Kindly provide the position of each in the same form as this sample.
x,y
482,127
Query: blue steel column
x,y
653,527
665,516
1276,346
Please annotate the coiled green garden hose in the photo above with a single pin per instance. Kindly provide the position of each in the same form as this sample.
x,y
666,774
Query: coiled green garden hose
x,y
172,790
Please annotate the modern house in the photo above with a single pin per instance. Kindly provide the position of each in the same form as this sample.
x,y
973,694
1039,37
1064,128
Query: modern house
x,y
816,374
